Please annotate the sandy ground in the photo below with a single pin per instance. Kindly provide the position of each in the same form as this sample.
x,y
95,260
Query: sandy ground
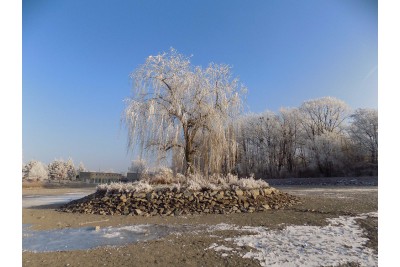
x,y
192,249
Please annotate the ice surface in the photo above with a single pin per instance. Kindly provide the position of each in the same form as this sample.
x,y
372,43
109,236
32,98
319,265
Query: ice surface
x,y
88,237
39,200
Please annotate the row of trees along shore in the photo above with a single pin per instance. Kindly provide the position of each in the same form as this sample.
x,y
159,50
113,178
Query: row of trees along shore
x,y
191,118
58,170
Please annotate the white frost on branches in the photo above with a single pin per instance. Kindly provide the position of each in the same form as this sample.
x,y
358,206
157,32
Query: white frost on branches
x,y
138,166
192,182
321,115
61,170
81,168
71,171
364,131
183,110
35,170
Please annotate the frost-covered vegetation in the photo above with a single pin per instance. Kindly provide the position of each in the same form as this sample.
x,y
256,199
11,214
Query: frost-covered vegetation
x,y
185,111
57,170
34,170
191,182
190,118
320,138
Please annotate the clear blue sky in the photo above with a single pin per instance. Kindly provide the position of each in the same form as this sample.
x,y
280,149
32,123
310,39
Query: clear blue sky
x,y
77,56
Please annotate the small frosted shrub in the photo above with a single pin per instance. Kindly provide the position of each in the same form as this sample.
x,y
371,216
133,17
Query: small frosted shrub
x,y
143,186
193,182
251,183
162,175
193,186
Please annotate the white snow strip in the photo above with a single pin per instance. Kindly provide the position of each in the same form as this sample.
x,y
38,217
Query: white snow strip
x,y
219,248
339,242
223,227
112,235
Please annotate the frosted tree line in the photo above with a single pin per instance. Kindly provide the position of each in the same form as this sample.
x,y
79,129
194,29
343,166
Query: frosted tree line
x,y
58,170
322,137
190,119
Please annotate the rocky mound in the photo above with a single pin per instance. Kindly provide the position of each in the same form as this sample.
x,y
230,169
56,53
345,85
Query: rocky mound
x,y
175,202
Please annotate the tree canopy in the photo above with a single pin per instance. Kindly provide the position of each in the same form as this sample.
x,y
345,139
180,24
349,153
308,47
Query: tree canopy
x,y
183,110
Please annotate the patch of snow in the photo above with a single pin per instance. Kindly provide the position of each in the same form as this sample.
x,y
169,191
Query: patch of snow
x,y
216,247
339,242
223,227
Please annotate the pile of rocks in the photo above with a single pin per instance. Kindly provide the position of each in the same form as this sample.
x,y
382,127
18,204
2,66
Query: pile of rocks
x,y
175,202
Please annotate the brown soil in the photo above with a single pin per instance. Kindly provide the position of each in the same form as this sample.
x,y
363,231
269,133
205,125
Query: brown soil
x,y
191,249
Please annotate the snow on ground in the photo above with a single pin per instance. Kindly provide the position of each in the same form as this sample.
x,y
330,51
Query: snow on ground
x,y
339,242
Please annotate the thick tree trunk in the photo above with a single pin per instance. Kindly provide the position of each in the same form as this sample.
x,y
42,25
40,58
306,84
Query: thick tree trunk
x,y
189,158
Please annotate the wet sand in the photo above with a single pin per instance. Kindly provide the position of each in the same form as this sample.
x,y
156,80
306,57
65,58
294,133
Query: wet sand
x,y
318,204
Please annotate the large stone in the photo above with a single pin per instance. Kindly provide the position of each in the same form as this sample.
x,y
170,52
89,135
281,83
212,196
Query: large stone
x,y
213,193
268,191
177,212
139,195
255,193
239,192
220,195
138,212
187,193
150,196
266,207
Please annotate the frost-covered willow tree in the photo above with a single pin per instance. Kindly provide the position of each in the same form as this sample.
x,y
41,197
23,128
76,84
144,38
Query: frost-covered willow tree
x,y
183,110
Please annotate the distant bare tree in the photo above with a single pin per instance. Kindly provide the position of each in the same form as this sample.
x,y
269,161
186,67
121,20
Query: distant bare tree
x,y
71,171
328,153
290,138
322,115
182,108
81,168
137,166
364,131
57,170
35,170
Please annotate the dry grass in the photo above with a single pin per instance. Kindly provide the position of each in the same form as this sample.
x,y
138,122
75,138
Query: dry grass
x,y
33,184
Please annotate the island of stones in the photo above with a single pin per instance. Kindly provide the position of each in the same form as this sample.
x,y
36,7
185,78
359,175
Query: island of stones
x,y
192,195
